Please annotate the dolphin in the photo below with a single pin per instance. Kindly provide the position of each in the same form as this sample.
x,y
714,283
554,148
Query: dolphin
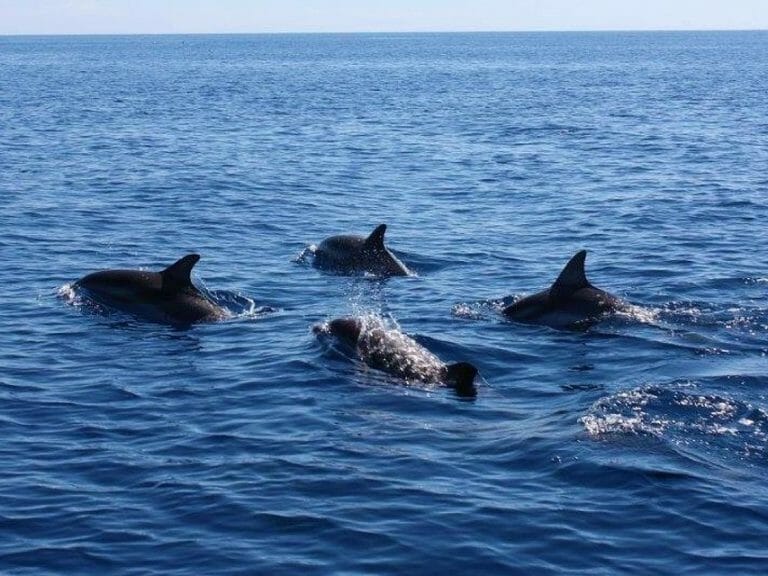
x,y
166,296
352,254
391,351
570,301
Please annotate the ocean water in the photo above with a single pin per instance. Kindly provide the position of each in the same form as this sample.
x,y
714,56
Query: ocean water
x,y
245,446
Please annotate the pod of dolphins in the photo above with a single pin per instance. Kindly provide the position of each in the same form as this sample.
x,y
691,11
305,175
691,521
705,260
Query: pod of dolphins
x,y
169,296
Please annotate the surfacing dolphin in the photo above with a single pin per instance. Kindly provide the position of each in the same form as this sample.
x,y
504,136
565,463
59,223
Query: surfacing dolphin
x,y
166,296
570,301
389,350
352,254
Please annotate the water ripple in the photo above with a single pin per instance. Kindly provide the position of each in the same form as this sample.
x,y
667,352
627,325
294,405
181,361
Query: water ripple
x,y
637,445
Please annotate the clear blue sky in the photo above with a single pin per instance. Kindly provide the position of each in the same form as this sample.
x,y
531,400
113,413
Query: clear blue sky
x,y
189,16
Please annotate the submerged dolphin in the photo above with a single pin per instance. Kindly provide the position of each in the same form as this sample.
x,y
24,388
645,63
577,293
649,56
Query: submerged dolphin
x,y
393,352
569,301
166,296
354,254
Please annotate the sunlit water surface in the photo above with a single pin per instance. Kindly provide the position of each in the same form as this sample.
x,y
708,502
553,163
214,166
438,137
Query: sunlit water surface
x,y
247,446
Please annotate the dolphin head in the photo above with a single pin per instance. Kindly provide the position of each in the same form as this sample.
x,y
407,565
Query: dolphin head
x,y
345,329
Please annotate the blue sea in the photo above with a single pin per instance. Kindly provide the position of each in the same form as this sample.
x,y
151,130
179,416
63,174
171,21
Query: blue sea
x,y
636,446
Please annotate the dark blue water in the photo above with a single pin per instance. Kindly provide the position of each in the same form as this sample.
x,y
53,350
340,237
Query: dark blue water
x,y
244,446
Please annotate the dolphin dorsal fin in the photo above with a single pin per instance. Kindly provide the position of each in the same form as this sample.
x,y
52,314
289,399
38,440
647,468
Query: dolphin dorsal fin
x,y
177,275
572,277
462,378
375,240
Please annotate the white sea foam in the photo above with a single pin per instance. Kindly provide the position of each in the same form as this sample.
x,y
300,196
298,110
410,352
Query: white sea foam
x,y
644,315
679,415
67,292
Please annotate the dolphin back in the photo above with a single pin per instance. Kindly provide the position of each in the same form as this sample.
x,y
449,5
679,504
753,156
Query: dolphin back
x,y
166,296
571,300
354,254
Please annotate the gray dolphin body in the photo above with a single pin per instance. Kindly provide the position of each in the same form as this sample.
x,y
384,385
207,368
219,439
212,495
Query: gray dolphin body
x,y
166,296
352,254
391,351
570,301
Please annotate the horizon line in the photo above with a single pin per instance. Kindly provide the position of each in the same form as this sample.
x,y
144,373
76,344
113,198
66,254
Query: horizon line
x,y
403,32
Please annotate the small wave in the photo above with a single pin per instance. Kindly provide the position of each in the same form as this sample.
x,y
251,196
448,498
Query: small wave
x,y
239,306
682,416
468,311
78,299
640,314
482,309
305,255
234,304
700,313
709,329
66,292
